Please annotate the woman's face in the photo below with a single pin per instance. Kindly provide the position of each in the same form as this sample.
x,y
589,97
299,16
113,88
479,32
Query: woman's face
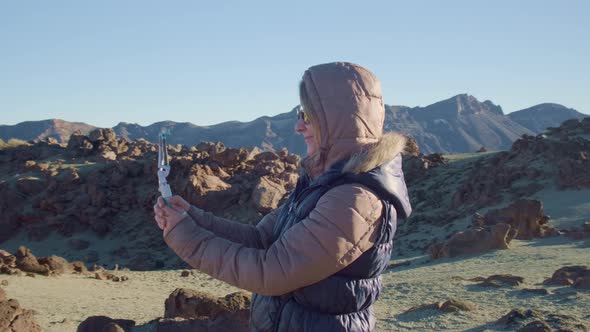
x,y
304,127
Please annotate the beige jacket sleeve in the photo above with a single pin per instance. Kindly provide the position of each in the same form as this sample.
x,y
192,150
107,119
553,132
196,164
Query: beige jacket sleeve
x,y
340,228
259,236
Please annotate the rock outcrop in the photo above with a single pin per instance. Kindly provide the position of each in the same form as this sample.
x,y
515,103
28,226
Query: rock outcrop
x,y
106,184
577,276
190,310
15,318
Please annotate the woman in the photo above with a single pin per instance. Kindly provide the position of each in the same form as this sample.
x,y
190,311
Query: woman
x,y
314,263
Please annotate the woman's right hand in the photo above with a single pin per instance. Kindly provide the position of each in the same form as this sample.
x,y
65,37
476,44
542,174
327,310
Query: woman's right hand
x,y
170,212
179,202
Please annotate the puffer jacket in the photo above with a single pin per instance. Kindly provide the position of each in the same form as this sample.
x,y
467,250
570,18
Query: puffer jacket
x,y
318,258
342,301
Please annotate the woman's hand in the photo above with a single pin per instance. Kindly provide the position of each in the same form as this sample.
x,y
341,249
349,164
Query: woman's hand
x,y
168,215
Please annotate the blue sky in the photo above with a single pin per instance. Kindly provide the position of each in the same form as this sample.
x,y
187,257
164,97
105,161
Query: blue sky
x,y
103,62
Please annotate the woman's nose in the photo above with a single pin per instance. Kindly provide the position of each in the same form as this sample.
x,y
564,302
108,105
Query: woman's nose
x,y
300,126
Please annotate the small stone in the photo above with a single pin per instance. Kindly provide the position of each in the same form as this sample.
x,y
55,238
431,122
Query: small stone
x,y
536,291
536,326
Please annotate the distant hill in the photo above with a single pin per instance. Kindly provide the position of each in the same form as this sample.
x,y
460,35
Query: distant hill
x,y
542,116
456,125
39,130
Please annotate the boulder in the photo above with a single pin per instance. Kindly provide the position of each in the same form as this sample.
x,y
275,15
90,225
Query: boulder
x,y
525,216
530,320
570,275
55,264
27,262
30,185
473,241
267,195
499,280
451,305
188,303
15,318
105,324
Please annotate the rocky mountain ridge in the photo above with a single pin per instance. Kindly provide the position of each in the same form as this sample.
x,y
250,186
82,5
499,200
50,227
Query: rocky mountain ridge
x,y
459,124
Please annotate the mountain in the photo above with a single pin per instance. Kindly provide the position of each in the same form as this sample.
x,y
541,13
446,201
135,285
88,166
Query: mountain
x,y
542,116
274,133
39,130
456,125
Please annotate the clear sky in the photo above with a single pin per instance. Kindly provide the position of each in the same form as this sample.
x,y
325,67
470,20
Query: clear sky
x,y
205,62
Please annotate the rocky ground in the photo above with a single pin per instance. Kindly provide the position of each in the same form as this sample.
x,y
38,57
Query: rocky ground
x,y
413,297
487,230
92,200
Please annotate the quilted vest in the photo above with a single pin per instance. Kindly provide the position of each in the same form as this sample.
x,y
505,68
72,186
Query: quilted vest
x,y
343,301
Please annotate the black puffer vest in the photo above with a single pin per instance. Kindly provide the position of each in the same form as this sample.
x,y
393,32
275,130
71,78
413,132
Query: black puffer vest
x,y
341,302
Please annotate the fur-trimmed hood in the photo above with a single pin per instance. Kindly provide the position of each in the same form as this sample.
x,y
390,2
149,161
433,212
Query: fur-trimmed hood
x,y
380,168
389,146
348,111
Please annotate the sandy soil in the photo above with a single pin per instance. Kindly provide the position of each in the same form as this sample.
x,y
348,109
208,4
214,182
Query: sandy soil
x,y
63,302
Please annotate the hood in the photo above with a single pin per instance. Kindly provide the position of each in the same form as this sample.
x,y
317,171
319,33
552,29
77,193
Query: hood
x,y
380,168
349,111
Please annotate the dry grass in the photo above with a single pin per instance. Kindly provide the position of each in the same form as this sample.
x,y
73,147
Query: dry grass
x,y
12,143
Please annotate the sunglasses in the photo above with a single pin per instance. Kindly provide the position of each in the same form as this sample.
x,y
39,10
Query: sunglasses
x,y
302,115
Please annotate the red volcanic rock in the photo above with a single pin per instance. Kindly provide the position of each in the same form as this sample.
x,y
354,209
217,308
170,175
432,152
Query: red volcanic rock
x,y
104,324
473,241
4,254
570,275
267,195
582,283
189,310
108,155
55,264
30,185
499,280
188,303
27,262
416,167
229,157
525,216
266,156
515,316
520,320
79,267
15,318
79,144
451,305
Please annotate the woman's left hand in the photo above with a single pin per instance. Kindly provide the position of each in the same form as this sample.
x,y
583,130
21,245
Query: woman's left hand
x,y
167,216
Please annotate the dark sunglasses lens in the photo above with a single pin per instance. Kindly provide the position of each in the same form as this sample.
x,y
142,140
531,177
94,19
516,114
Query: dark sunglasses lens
x,y
302,116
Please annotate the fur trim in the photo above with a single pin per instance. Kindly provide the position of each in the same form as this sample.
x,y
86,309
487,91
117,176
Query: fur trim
x,y
388,147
